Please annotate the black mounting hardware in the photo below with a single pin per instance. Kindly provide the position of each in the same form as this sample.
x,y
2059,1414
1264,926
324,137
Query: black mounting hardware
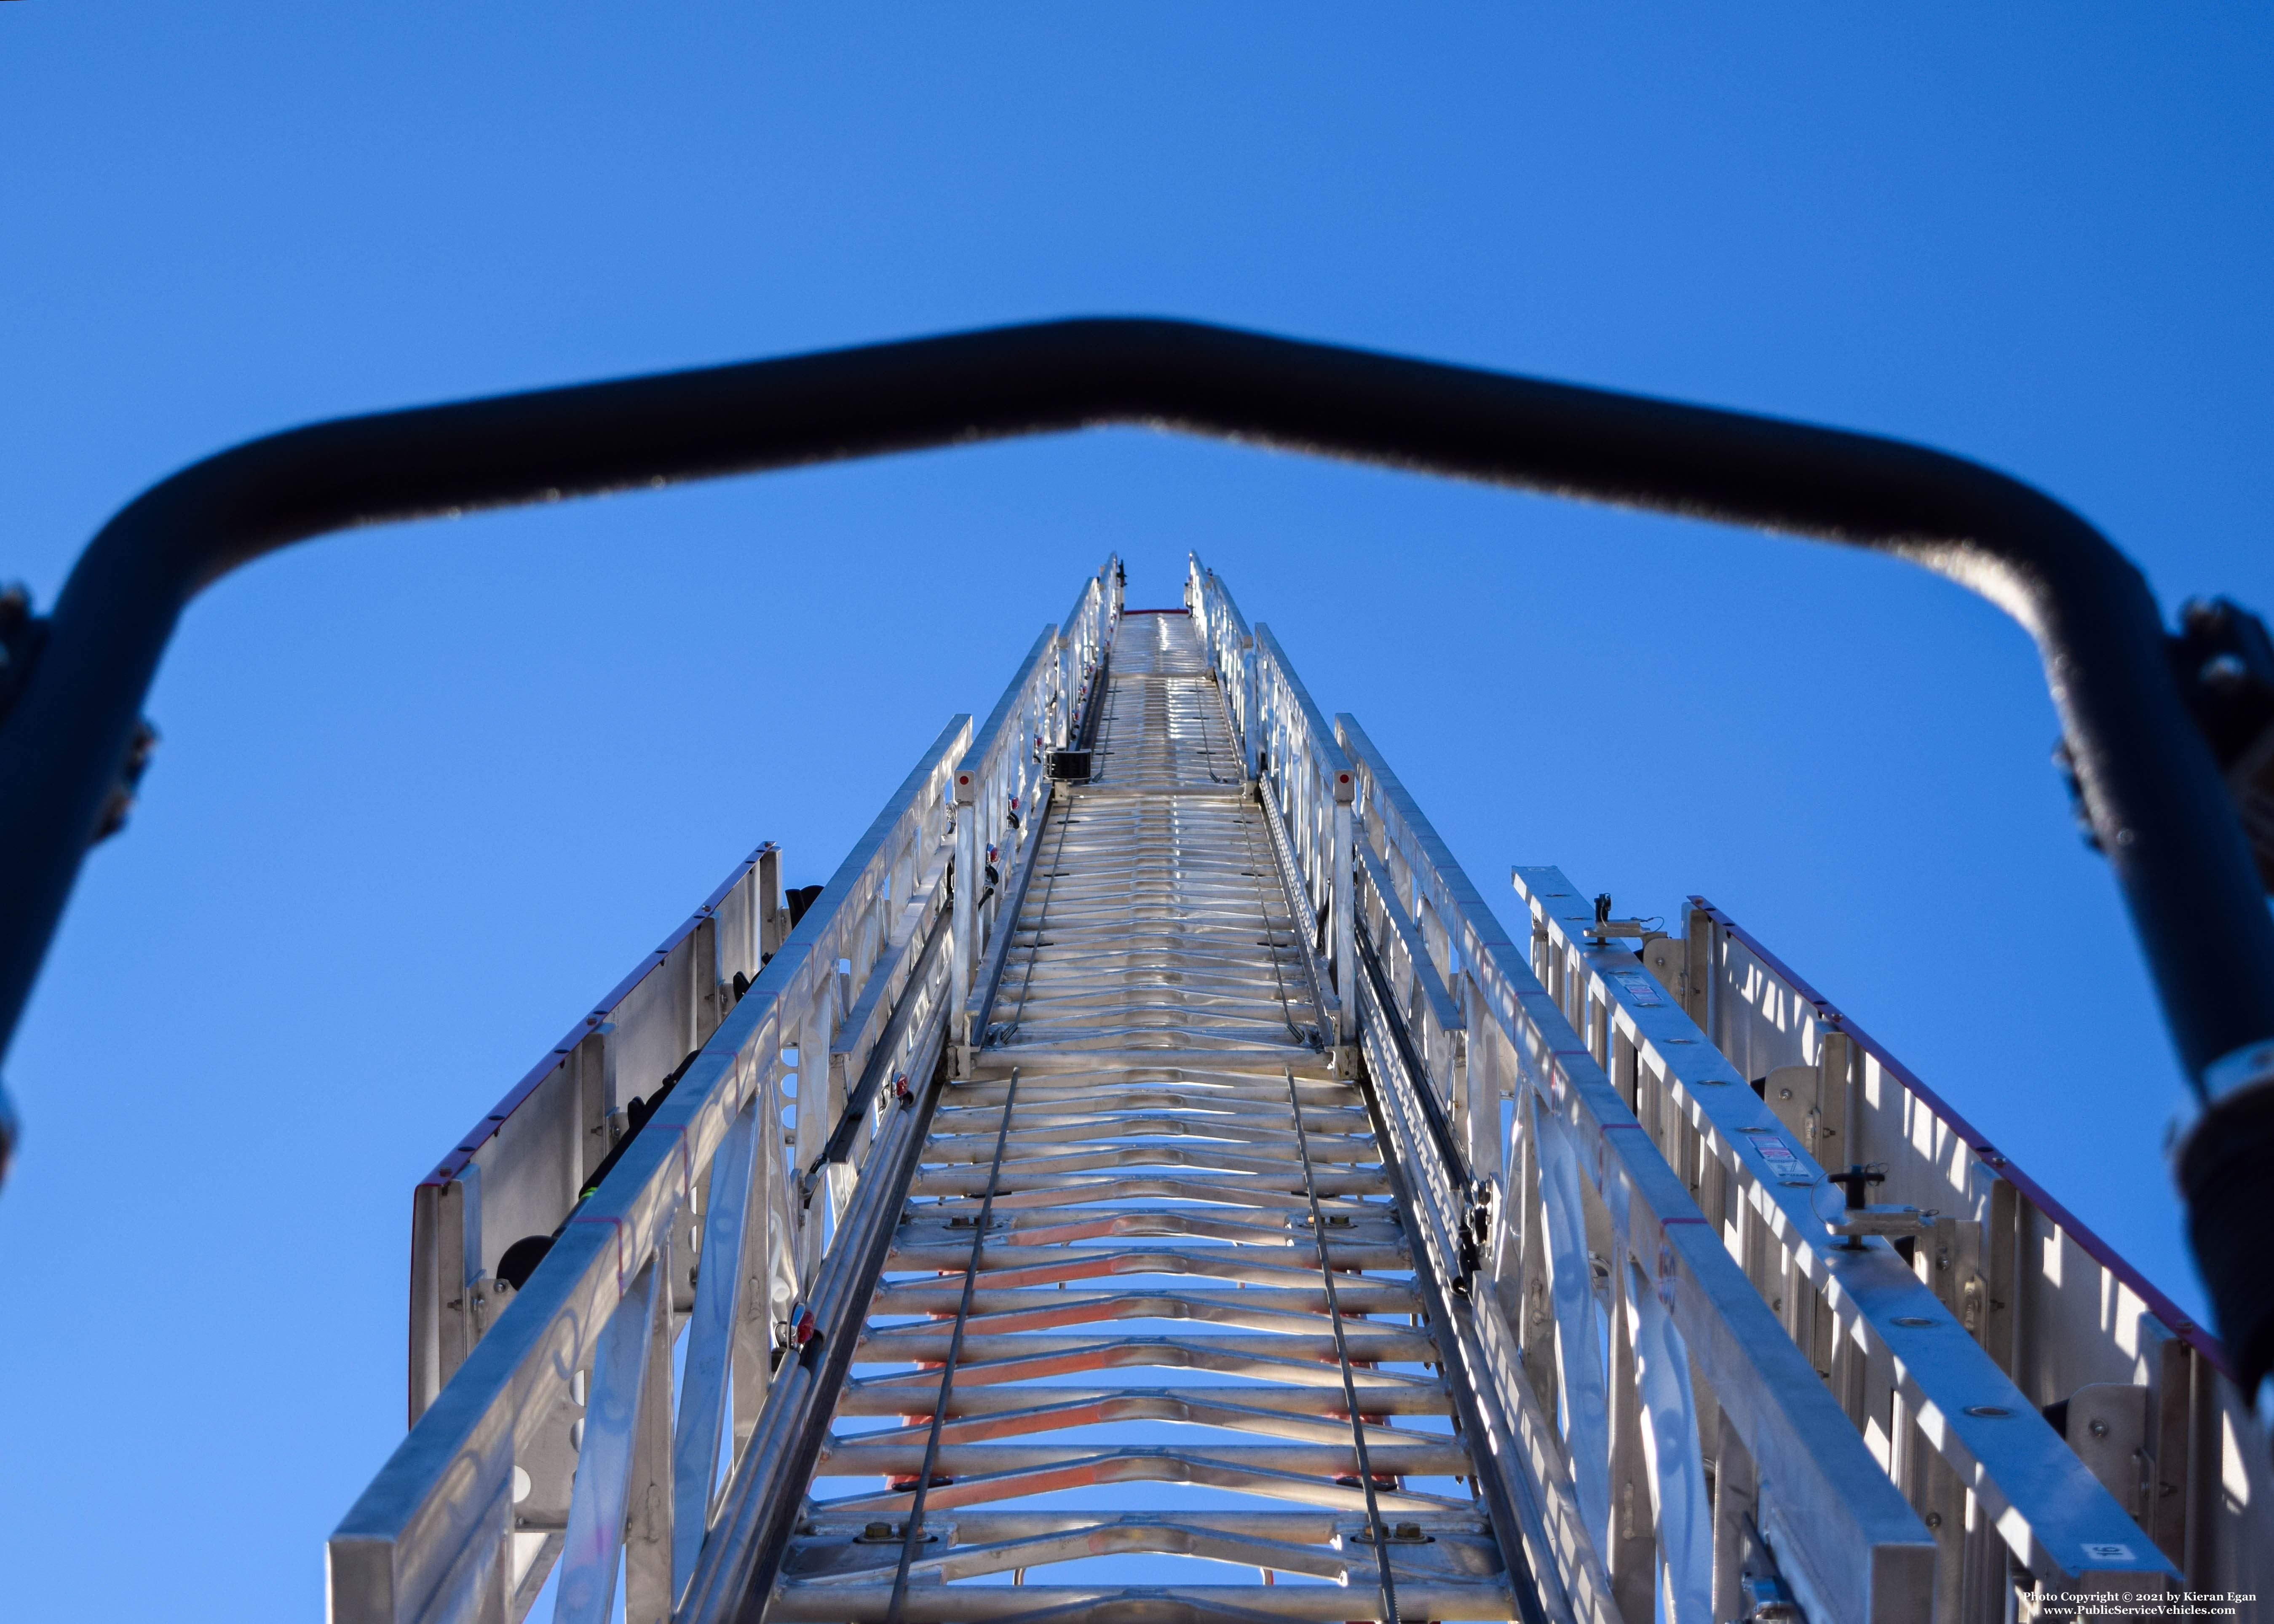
x,y
2224,663
799,899
1856,1181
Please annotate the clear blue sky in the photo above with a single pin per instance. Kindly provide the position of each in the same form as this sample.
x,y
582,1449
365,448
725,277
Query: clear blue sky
x,y
425,794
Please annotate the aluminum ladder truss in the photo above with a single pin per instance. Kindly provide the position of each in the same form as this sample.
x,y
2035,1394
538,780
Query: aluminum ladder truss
x,y
1148,1182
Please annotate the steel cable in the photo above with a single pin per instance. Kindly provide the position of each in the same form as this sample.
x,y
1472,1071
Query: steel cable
x,y
912,1535
1377,1530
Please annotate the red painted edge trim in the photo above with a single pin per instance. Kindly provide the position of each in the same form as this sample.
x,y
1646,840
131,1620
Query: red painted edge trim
x,y
2174,1319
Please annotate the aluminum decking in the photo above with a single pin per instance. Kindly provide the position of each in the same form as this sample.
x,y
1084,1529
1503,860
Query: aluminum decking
x,y
1147,1411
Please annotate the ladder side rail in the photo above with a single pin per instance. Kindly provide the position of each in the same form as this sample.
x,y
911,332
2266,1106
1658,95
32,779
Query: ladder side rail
x,y
1593,1442
992,775
737,916
1901,1556
432,1537
441,1506
1290,867
721,1306
920,981
765,1494
1530,1491
1483,949
1843,1534
896,948
1094,621
1529,1482
1420,854
1379,1001
1436,1024
1951,1164
832,933
1292,768
1320,808
607,1460
1074,666
1077,660
1233,653
1106,612
1893,1301
1013,888
1515,1509
1251,738
522,1167
2100,1326
1105,609
1055,706
881,992
1899,1361
1563,1552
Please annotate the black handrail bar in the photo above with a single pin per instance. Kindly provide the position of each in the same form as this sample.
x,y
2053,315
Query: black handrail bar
x,y
2151,786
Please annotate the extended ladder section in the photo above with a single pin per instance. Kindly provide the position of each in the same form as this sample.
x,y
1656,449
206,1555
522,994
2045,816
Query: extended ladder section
x,y
1151,1242
1147,1184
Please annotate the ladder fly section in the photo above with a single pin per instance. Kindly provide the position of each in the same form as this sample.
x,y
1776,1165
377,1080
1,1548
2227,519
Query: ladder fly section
x,y
1162,725
1147,1184
1147,1342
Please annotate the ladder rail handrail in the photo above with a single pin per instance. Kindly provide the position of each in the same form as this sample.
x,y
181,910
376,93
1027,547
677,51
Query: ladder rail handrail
x,y
1494,1410
424,1512
1083,636
859,1102
1453,1159
765,1495
1011,895
1803,1432
1786,1417
2151,786
1991,1433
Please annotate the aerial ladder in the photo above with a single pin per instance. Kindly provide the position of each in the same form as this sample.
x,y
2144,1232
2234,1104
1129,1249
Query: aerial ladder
x,y
1148,1183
